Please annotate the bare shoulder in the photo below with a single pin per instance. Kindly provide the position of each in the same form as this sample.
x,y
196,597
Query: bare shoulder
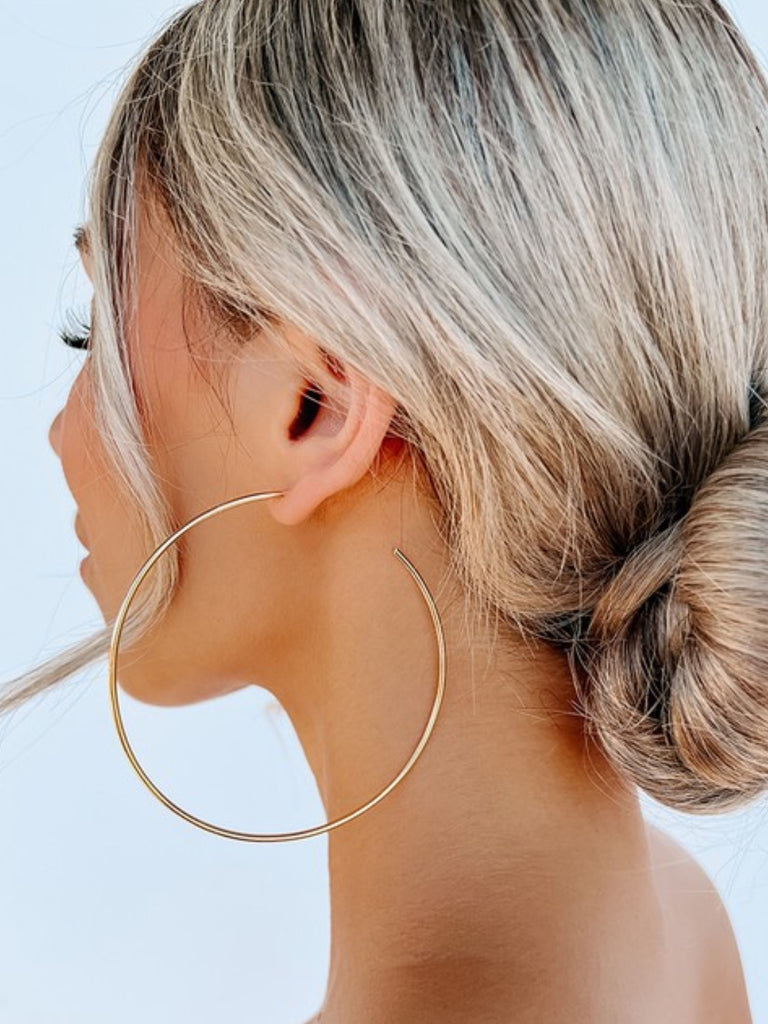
x,y
700,931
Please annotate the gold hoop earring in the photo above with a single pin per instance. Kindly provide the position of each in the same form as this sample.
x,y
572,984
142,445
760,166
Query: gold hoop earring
x,y
254,837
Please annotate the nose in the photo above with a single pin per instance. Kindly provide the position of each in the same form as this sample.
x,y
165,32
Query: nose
x,y
54,432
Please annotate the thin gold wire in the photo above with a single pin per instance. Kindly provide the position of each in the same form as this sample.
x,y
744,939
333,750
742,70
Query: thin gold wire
x,y
255,837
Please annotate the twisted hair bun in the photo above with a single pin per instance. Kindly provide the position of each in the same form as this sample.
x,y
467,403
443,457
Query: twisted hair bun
x,y
677,652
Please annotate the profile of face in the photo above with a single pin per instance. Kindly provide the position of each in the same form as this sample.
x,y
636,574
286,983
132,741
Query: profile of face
x,y
252,577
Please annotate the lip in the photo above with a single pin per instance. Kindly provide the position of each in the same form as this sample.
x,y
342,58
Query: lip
x,y
79,531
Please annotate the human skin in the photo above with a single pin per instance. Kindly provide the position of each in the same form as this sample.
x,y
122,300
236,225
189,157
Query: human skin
x,y
511,875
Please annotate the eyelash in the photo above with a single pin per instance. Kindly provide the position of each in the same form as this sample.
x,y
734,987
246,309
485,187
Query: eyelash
x,y
76,333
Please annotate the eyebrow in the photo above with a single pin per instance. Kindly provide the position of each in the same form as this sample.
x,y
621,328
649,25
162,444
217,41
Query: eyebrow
x,y
82,244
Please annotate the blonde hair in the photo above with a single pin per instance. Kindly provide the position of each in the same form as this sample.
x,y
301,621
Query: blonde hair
x,y
543,228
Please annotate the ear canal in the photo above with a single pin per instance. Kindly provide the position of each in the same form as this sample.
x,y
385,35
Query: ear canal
x,y
309,407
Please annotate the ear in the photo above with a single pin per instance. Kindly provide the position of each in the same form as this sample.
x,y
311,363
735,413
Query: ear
x,y
340,445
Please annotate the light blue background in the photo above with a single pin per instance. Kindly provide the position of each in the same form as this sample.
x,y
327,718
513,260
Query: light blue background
x,y
113,910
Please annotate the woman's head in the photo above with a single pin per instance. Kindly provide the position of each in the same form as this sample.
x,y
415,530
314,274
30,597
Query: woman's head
x,y
530,242
244,579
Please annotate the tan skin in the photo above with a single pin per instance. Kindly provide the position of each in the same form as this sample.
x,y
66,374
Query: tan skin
x,y
511,876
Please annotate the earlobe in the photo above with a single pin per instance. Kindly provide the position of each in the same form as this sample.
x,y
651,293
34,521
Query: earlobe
x,y
349,454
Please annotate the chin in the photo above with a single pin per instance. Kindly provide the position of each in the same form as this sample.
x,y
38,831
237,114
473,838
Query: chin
x,y
148,686
151,681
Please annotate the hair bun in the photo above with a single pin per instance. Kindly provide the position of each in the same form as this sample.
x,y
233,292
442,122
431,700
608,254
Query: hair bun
x,y
676,655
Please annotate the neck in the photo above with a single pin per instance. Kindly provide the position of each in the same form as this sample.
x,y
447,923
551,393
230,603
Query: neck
x,y
470,882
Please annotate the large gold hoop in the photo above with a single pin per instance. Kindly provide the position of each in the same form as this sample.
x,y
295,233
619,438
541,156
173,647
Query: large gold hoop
x,y
255,837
